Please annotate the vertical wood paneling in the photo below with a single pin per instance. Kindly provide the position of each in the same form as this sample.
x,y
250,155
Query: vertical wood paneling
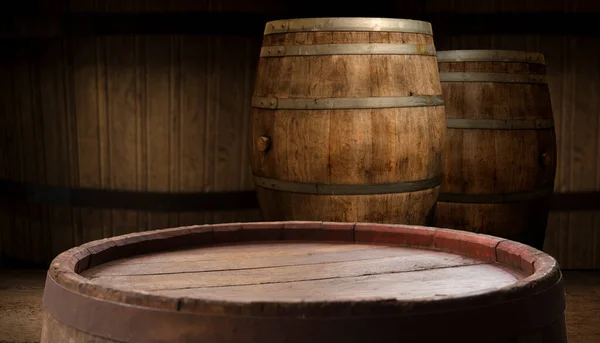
x,y
157,80
583,151
88,117
175,97
583,247
141,122
195,60
558,61
26,159
104,134
251,58
596,95
122,112
39,236
5,222
70,135
231,156
230,101
4,113
160,113
8,153
56,221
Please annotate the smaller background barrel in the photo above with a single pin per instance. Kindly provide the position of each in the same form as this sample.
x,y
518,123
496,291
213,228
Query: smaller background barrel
x,y
500,151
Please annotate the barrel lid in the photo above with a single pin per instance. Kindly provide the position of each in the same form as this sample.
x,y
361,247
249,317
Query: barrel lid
x,y
490,56
134,308
348,24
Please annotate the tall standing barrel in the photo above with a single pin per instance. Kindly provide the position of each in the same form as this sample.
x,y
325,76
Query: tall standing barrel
x,y
298,282
347,121
500,153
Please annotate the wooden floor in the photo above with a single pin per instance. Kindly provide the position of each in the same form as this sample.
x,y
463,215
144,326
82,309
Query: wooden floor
x,y
21,305
583,306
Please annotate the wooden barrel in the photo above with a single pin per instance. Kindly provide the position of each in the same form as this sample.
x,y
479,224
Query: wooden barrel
x,y
347,121
304,282
500,150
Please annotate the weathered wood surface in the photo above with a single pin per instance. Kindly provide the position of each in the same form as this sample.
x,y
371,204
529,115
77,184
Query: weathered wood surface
x,y
348,146
135,113
23,290
401,273
347,281
497,161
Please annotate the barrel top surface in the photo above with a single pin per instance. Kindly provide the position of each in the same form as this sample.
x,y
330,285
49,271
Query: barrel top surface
x,y
235,282
239,265
304,271
516,56
347,24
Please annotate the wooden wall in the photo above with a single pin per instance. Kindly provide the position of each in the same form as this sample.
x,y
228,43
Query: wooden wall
x,y
155,102
139,113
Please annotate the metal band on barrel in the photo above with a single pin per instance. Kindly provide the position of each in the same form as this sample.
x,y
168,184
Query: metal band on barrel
x,y
345,103
492,77
347,49
348,24
494,198
490,56
341,189
499,124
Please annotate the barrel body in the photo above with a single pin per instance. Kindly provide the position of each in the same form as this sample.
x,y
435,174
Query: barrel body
x,y
500,150
347,121
304,282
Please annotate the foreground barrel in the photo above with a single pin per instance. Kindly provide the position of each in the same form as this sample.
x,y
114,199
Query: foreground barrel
x,y
304,282
500,152
347,121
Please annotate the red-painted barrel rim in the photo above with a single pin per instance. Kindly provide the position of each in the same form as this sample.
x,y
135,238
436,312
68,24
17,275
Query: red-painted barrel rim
x,y
541,291
543,269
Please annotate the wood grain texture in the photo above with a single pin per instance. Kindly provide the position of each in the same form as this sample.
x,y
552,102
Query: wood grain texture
x,y
138,113
356,272
54,331
380,283
571,237
497,161
441,282
307,268
347,146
